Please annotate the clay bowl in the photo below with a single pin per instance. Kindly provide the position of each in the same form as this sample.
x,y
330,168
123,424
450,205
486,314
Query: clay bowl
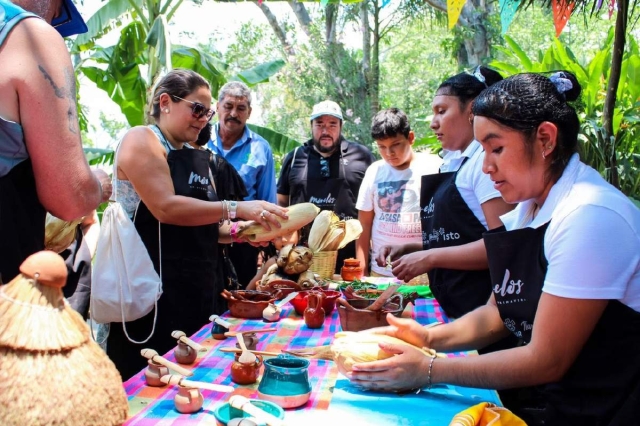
x,y
374,293
252,307
358,319
328,303
279,288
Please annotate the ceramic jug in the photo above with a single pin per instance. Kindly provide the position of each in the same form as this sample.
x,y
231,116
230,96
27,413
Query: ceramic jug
x,y
285,381
314,313
184,353
188,400
153,373
245,374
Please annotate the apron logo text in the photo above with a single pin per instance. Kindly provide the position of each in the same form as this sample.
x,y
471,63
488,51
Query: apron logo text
x,y
436,234
197,178
513,287
320,201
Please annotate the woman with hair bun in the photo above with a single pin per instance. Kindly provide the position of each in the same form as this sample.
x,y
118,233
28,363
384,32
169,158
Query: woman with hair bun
x,y
565,272
457,205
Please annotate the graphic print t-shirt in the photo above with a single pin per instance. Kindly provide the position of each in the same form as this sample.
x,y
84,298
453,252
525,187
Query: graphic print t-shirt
x,y
394,197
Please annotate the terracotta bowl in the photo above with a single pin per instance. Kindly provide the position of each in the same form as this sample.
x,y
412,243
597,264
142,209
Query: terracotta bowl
x,y
279,288
358,319
372,294
252,308
328,303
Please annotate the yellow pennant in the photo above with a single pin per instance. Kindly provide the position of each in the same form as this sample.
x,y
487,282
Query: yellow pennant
x,y
454,7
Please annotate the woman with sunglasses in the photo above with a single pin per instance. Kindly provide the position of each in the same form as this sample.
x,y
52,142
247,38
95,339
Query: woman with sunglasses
x,y
160,178
457,205
565,268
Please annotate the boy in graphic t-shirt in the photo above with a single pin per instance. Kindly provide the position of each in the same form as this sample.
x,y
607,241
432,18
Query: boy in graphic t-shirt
x,y
389,198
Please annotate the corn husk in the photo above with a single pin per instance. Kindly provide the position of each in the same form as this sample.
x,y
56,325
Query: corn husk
x,y
299,215
51,372
352,230
321,225
59,234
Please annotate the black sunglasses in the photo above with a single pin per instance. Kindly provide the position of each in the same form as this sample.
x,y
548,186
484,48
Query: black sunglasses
x,y
198,110
324,168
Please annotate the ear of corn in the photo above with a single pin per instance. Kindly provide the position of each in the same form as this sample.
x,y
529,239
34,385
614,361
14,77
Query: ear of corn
x,y
352,230
299,216
59,234
319,228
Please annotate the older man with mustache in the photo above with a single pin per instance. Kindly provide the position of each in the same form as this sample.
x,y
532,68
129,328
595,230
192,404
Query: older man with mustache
x,y
250,154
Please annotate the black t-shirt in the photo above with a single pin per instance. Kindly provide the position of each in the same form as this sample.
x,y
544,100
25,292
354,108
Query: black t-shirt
x,y
356,159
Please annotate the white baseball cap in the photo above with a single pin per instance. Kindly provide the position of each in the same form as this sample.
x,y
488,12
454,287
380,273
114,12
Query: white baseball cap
x,y
326,108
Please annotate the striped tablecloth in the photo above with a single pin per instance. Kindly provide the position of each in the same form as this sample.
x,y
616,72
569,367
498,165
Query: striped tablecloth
x,y
154,406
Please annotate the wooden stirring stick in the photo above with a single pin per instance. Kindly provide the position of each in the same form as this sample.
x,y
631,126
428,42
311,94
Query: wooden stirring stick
x,y
237,351
260,330
242,403
246,357
153,356
176,379
181,336
220,321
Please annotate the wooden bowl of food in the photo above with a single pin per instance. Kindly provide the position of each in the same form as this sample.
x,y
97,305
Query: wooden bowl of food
x,y
247,303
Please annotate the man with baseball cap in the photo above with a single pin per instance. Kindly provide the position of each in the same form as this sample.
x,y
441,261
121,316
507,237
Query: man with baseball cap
x,y
42,164
327,170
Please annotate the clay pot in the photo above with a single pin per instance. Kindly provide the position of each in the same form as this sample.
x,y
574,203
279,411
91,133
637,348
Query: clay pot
x,y
185,354
245,374
250,341
314,313
188,400
299,302
279,288
354,316
217,331
153,373
351,270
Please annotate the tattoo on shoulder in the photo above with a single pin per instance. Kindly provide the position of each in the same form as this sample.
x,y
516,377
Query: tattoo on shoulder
x,y
66,91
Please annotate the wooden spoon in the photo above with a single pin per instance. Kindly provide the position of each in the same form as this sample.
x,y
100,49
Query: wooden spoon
x,y
256,331
246,357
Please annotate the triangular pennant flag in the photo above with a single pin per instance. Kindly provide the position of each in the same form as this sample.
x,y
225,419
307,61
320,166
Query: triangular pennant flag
x,y
454,7
385,3
561,13
508,9
612,7
324,2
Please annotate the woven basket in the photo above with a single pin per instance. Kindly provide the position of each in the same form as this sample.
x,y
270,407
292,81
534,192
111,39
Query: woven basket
x,y
324,263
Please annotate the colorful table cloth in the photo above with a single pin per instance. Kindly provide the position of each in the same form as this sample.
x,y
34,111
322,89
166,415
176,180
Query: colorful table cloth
x,y
154,406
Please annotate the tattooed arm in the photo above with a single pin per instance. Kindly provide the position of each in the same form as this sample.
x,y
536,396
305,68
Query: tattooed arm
x,y
38,69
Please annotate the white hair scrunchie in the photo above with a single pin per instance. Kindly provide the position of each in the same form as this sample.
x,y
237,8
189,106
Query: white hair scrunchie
x,y
562,83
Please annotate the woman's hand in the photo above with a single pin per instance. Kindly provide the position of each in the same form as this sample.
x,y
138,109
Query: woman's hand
x,y
407,369
392,252
105,184
405,329
411,265
261,212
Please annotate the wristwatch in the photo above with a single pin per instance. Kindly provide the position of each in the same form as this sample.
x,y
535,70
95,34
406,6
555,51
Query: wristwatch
x,y
233,207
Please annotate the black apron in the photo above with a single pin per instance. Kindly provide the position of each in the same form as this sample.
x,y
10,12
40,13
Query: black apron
x,y
77,257
22,220
191,280
447,221
602,385
329,194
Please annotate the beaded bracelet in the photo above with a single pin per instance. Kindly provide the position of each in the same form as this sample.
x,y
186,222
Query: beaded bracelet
x,y
433,358
234,233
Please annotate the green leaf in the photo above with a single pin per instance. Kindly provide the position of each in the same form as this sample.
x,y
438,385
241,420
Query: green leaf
x,y
260,73
520,54
210,67
507,69
98,155
280,144
160,39
101,22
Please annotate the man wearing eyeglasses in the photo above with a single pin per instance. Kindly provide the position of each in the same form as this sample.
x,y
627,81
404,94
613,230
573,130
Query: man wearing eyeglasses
x,y
251,156
327,170
42,165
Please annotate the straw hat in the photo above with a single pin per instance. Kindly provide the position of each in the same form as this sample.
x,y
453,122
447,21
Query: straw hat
x,y
51,372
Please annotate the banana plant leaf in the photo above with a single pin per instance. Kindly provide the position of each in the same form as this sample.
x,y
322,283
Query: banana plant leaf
x,y
260,73
280,144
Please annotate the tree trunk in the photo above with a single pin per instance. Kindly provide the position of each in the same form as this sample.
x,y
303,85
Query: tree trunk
x,y
302,16
277,29
619,40
374,81
474,50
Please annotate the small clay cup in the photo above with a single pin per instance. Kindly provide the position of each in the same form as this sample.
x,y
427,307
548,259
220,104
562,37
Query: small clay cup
x,y
153,373
250,341
188,400
245,374
217,331
184,353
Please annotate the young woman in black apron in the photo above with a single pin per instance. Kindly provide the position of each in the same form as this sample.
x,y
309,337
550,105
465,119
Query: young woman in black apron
x,y
565,271
172,182
458,205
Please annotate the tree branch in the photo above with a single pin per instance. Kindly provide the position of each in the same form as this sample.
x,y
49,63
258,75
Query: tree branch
x,y
277,29
302,16
437,4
